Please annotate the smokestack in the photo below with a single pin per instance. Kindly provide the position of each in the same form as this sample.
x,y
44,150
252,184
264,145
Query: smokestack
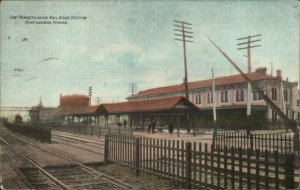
x,y
60,99
278,74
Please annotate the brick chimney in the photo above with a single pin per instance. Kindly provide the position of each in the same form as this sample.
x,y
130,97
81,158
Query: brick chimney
x,y
278,74
261,70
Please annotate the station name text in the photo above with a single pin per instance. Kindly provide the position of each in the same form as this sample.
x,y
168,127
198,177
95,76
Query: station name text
x,y
47,19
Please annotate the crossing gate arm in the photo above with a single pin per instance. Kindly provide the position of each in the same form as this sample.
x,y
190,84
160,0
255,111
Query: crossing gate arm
x,y
286,120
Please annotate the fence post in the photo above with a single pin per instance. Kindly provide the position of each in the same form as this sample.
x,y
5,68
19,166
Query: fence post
x,y
49,135
266,169
188,164
137,156
276,165
214,139
296,143
106,151
289,171
257,168
240,152
251,144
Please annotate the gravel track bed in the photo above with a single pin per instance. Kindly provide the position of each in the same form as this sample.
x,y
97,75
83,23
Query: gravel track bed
x,y
144,181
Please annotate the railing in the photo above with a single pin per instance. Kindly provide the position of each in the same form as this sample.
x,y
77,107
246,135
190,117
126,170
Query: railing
x,y
93,130
239,126
39,133
283,142
199,166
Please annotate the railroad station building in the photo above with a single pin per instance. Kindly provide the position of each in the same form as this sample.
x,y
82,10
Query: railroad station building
x,y
231,96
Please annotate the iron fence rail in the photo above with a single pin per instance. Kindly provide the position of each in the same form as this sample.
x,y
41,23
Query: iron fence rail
x,y
199,166
39,133
283,143
93,130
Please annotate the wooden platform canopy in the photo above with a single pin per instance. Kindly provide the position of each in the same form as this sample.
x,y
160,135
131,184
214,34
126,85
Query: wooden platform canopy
x,y
79,115
163,111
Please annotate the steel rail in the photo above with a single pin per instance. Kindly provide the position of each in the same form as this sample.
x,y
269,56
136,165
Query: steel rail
x,y
50,176
61,142
118,183
78,141
78,138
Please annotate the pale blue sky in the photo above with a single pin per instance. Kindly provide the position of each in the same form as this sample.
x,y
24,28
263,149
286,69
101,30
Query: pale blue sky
x,y
132,41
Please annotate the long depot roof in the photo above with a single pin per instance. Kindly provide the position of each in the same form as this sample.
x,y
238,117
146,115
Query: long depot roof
x,y
153,105
220,81
161,104
90,110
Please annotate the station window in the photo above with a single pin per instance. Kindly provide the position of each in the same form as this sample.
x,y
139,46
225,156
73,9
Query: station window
x,y
240,95
224,96
198,98
274,94
209,97
285,95
257,96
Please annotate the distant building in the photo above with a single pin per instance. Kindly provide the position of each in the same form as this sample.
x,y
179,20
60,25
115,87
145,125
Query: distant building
x,y
231,96
43,114
18,118
73,102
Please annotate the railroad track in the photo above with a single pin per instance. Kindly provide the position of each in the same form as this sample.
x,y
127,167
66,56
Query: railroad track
x,y
76,176
76,140
85,138
63,141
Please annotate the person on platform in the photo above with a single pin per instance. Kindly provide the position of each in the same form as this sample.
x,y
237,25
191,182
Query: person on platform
x,y
119,124
149,127
171,128
153,126
125,123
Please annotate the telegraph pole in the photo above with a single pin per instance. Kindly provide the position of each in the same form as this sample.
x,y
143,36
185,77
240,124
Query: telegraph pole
x,y
90,95
249,45
132,87
214,95
248,42
183,30
98,100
